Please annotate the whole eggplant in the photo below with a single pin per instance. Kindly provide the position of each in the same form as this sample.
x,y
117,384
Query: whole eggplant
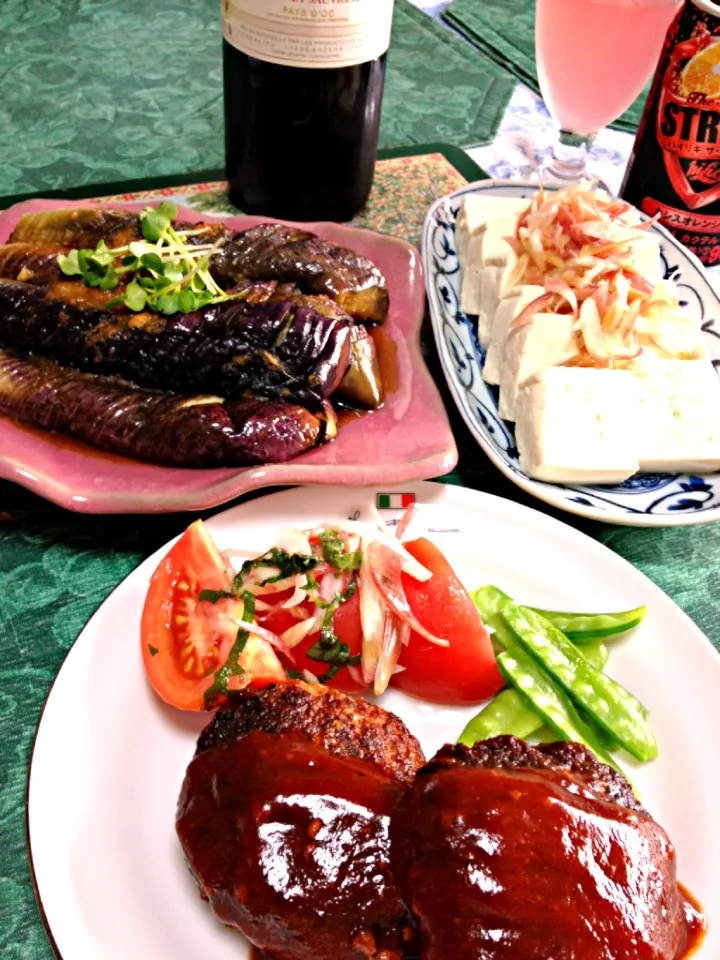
x,y
84,227
200,431
315,265
268,251
30,263
279,349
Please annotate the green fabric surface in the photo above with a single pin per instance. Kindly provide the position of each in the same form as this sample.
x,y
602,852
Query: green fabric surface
x,y
504,30
101,90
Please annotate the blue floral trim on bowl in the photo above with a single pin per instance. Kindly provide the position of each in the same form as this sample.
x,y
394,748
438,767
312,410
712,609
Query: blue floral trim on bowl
x,y
645,499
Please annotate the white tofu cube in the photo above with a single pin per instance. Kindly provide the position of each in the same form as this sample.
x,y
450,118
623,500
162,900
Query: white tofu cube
x,y
496,251
547,341
507,310
487,256
673,333
577,425
472,278
680,410
672,337
474,214
494,282
669,291
645,257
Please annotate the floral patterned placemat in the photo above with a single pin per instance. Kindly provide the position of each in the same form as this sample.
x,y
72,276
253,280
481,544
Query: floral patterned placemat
x,y
403,189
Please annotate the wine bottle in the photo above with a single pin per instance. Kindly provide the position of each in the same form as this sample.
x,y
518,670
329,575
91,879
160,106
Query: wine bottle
x,y
303,91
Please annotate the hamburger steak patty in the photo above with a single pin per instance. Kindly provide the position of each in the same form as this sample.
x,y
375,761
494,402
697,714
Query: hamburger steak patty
x,y
342,725
509,753
507,851
285,820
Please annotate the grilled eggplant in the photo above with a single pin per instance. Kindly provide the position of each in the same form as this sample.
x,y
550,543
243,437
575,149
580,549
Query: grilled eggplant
x,y
276,349
362,384
315,265
200,431
84,227
269,251
146,384
30,263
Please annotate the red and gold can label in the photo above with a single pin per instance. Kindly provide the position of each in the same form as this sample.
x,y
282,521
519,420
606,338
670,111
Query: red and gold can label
x,y
675,167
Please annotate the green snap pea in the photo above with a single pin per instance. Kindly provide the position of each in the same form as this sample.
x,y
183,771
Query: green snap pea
x,y
584,627
507,713
487,601
596,654
550,701
545,735
608,703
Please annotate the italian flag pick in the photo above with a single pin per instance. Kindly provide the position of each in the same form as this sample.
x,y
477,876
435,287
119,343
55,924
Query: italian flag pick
x,y
395,501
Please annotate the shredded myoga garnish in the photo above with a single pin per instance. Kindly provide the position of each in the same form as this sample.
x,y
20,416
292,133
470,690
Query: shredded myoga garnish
x,y
582,245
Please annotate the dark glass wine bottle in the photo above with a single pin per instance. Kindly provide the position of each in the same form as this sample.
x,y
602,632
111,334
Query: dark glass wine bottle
x,y
303,91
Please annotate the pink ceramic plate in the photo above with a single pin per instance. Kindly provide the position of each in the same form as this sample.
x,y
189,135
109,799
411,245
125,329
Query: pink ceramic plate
x,y
408,439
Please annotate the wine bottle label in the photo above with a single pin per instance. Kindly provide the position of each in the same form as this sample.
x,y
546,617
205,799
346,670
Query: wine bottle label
x,y
309,33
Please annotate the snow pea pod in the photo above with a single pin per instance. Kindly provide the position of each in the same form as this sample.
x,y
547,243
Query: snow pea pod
x,y
584,627
608,703
487,601
507,713
581,628
596,654
550,701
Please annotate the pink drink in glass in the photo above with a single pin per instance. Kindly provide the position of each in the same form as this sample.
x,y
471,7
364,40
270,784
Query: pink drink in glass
x,y
595,56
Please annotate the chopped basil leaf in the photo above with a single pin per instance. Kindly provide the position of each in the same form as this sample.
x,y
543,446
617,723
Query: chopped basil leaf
x,y
212,596
288,565
333,550
248,606
293,674
231,668
331,650
153,650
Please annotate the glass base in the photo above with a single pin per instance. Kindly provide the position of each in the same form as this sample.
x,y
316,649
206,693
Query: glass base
x,y
568,163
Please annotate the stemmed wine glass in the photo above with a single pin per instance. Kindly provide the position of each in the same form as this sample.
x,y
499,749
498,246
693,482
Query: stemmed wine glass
x,y
593,59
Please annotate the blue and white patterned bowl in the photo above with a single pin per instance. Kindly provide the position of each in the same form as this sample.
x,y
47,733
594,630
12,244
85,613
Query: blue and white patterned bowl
x,y
652,500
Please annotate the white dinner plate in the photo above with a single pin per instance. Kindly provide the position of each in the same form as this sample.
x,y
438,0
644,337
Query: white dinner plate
x,y
109,757
648,500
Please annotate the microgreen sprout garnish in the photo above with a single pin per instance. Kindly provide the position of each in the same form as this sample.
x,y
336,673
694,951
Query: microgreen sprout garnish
x,y
168,274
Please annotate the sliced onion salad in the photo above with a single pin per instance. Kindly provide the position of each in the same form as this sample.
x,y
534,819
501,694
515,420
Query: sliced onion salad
x,y
387,620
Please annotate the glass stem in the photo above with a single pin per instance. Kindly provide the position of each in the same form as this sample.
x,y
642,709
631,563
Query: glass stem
x,y
569,157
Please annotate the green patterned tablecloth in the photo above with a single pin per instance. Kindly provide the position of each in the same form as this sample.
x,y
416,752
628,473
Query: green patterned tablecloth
x,y
102,90
504,30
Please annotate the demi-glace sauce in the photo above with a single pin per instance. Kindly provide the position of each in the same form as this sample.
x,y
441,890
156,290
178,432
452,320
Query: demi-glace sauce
x,y
291,845
695,922
541,868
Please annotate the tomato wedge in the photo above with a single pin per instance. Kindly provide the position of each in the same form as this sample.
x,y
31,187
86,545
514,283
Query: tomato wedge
x,y
185,640
346,624
466,671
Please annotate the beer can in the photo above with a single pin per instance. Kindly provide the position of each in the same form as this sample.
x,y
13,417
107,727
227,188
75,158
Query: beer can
x,y
674,169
